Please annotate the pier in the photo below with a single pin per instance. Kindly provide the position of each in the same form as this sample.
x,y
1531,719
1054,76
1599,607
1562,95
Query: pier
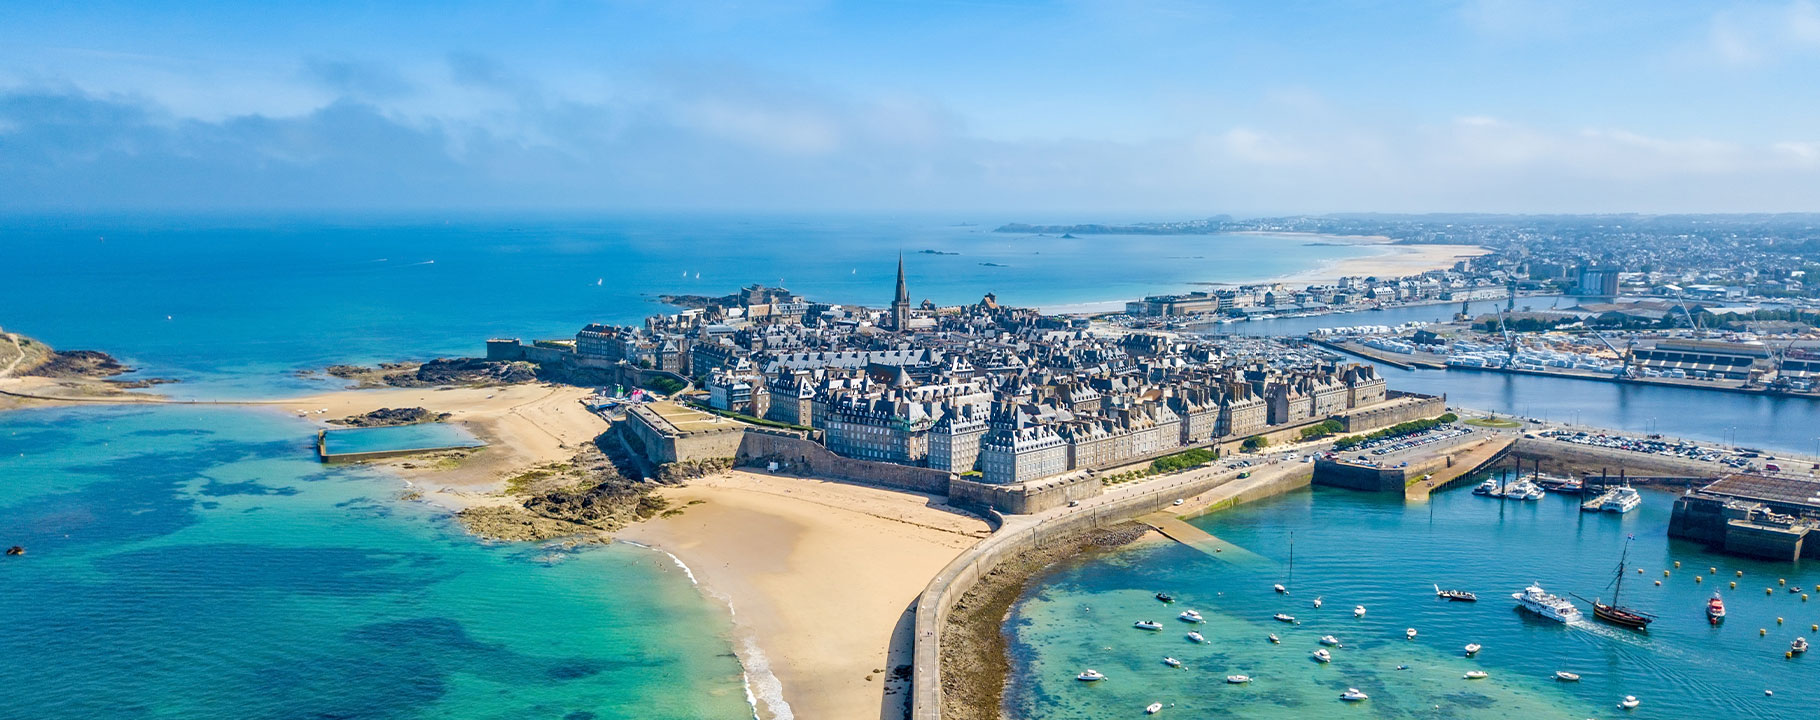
x,y
1176,529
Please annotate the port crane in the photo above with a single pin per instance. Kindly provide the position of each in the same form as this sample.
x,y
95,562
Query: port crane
x,y
1627,356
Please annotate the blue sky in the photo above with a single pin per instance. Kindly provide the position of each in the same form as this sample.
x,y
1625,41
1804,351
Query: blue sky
x,y
1033,109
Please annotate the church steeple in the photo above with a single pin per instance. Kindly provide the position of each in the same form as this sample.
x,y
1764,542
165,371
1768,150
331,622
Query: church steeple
x,y
900,307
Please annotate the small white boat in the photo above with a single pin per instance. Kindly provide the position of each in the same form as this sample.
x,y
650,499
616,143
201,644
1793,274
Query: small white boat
x,y
1630,702
1798,646
1090,676
1190,616
1196,637
1358,611
1330,640
1285,617
1472,649
1353,695
1477,674
1566,676
1238,679
1172,662
1279,588
1274,640
1153,709
1322,655
1317,602
1409,634
1147,625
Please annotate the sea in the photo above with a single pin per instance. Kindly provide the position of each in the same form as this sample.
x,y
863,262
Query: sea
x,y
198,562
1351,549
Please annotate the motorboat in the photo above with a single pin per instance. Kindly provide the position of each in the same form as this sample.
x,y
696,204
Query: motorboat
x,y
1623,500
1238,679
1477,674
1172,662
1274,640
1280,589
1190,616
1455,595
16,550
1330,640
1798,646
1196,637
1486,488
1715,609
1165,597
1358,611
1285,617
1566,676
1317,602
1147,625
1473,649
1540,602
1090,676
1630,702
1322,655
1353,695
1409,634
1153,708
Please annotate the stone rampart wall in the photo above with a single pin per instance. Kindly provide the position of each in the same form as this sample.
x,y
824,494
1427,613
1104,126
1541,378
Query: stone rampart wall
x,y
803,457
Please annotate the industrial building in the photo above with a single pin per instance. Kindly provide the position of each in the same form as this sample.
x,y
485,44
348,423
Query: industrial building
x,y
1752,514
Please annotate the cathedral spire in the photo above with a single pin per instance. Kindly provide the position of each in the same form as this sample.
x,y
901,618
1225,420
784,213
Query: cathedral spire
x,y
900,307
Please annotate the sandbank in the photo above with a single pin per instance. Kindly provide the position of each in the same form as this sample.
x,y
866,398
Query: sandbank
x,y
821,577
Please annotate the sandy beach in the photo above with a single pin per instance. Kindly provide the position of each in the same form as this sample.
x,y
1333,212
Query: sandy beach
x,y
820,576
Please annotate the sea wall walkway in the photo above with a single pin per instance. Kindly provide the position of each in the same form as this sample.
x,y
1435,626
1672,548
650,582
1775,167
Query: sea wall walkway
x,y
1200,490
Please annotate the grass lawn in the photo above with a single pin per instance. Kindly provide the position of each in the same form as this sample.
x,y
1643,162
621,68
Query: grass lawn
x,y
1493,423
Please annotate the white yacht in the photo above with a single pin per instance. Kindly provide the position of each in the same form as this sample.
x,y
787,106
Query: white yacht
x,y
1317,602
1147,625
1630,702
1358,611
1153,709
1477,674
1623,500
1330,640
1409,634
1196,637
1353,695
1090,676
1473,649
1285,617
1540,602
1274,640
1322,655
1190,616
1489,487
1172,662
1238,679
1280,589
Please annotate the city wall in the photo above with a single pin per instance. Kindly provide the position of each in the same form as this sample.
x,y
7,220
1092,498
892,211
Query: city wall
x,y
1399,407
799,456
1027,498
937,600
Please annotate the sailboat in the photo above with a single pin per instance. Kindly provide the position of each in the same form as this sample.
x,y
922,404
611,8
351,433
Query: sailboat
x,y
1282,588
1618,614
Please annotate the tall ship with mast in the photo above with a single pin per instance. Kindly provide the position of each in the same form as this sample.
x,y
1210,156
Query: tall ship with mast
x,y
1615,613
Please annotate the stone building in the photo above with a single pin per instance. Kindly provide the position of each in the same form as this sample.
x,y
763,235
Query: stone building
x,y
954,440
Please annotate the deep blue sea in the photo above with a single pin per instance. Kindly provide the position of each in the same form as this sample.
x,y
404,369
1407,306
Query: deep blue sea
x,y
1355,548
197,562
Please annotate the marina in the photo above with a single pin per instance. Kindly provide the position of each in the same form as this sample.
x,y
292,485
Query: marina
x,y
1402,561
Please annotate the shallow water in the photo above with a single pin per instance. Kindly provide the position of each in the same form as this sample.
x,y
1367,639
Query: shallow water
x,y
1357,549
199,563
398,437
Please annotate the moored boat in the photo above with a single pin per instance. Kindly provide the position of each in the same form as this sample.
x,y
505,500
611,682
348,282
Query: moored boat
x,y
1473,649
16,550
1353,695
1623,500
1196,637
1322,655
1285,617
1165,597
1798,646
1274,640
1153,708
1715,609
1190,616
1455,595
1630,702
1486,488
1317,602
1409,634
1358,611
1279,588
1567,676
1090,675
1147,625
1238,679
1172,662
1330,640
1477,674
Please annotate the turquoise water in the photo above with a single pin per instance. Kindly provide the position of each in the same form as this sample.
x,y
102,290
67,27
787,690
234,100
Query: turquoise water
x,y
234,306
200,563
400,437
1353,549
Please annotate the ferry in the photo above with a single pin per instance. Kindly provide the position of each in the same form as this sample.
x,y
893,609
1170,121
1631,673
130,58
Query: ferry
x,y
1715,609
1322,655
1538,601
1623,500
1353,695
1190,616
1090,676
1147,625
1196,637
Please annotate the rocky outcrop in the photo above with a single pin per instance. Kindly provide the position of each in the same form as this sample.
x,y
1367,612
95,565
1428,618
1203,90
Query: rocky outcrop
x,y
78,364
440,372
515,524
390,417
685,470
589,495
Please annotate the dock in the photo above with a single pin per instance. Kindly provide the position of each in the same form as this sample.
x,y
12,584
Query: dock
x,y
1489,451
1176,529
1594,504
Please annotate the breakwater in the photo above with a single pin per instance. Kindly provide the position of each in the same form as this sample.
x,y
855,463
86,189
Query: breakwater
x,y
1200,491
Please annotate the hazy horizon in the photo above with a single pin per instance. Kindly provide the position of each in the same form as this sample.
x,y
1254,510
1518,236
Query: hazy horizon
x,y
1024,110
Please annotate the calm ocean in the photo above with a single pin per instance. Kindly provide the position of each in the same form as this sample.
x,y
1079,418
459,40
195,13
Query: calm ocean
x,y
193,562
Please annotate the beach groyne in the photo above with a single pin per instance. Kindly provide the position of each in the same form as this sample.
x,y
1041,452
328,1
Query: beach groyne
x,y
1022,535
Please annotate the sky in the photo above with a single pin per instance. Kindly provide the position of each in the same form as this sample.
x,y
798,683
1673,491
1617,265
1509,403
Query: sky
x,y
1028,110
